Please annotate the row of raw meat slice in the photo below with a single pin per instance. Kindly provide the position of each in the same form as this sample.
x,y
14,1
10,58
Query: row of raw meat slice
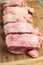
x,y
24,40
21,35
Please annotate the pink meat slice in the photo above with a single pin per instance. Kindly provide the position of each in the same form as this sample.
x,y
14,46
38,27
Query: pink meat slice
x,y
9,3
19,10
16,10
15,18
21,27
27,41
33,53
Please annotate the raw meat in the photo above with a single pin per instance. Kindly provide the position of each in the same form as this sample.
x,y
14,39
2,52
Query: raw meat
x,y
28,41
21,35
21,27
33,53
19,10
20,3
17,18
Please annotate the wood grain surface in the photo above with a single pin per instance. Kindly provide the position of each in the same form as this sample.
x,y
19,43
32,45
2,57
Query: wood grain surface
x,y
5,56
37,61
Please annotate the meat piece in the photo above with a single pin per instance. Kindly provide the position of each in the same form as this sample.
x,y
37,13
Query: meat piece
x,y
18,10
28,41
19,3
17,18
21,27
33,53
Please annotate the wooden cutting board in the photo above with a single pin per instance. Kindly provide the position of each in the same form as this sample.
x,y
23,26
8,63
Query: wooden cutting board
x,y
5,56
37,61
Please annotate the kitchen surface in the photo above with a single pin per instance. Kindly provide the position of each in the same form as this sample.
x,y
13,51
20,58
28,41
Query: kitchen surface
x,y
5,56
